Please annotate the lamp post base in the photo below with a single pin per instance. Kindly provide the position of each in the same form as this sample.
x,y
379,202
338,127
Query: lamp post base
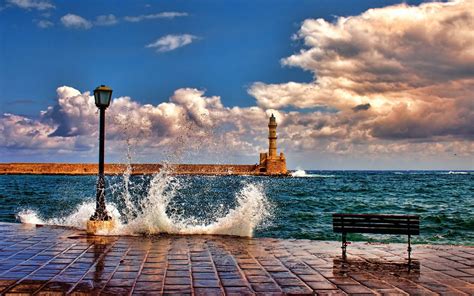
x,y
100,227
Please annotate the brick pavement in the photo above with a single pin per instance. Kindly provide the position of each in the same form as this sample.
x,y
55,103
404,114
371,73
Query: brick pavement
x,y
56,261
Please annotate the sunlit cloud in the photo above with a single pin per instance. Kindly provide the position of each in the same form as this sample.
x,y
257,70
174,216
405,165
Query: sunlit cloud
x,y
189,119
44,24
400,73
106,20
79,22
162,15
74,21
32,4
172,42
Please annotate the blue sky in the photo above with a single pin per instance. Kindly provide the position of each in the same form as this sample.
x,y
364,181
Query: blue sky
x,y
240,42
354,84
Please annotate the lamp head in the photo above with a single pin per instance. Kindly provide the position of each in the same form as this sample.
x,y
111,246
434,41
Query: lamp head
x,y
103,96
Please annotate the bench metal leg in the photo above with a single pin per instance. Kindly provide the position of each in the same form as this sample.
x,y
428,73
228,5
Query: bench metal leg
x,y
344,245
409,249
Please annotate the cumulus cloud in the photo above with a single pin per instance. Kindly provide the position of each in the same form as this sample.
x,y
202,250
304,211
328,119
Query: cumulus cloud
x,y
394,73
106,20
189,120
197,126
172,42
32,4
162,15
44,24
74,21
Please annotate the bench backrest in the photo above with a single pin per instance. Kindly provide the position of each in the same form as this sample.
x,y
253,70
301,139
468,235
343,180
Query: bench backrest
x,y
381,224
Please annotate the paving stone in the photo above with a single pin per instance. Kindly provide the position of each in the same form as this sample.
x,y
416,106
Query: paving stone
x,y
177,288
177,281
238,291
125,275
114,291
150,278
177,273
297,290
289,281
356,289
260,279
265,287
121,282
234,282
148,286
205,283
154,271
208,291
250,272
342,281
326,285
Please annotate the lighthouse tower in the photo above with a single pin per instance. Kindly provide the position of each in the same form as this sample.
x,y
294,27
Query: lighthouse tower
x,y
272,137
271,163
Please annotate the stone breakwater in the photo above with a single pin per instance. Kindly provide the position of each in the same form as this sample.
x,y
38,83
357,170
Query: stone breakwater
x,y
137,169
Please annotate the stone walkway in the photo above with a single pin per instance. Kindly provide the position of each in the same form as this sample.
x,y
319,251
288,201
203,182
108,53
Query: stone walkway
x,y
53,260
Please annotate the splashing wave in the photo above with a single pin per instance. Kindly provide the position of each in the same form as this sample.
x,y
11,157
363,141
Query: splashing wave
x,y
150,216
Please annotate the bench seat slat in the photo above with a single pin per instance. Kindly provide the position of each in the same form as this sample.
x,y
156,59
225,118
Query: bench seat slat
x,y
400,222
380,225
376,223
376,230
375,215
375,218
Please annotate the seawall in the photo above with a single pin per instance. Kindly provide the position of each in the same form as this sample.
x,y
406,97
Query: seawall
x,y
137,169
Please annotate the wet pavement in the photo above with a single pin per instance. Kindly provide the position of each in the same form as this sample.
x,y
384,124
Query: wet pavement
x,y
56,261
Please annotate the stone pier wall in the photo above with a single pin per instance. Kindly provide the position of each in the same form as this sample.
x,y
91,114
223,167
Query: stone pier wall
x,y
137,169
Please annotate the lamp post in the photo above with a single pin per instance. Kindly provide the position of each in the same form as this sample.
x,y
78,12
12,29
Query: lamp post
x,y
101,220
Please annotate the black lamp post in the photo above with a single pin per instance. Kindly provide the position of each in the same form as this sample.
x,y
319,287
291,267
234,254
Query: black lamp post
x,y
103,95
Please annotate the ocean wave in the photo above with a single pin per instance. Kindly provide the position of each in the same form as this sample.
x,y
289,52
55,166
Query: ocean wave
x,y
303,174
150,215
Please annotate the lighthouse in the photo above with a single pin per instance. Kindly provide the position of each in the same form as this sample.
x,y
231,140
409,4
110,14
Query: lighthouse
x,y
270,162
272,137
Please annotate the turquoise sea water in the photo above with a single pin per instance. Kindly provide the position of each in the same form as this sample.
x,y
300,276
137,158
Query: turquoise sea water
x,y
299,207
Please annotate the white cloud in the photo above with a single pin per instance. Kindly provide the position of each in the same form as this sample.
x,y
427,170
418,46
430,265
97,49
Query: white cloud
x,y
194,126
188,120
75,22
44,24
106,20
162,15
399,73
32,4
171,42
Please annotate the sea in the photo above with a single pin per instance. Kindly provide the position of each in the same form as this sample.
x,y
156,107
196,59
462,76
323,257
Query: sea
x,y
295,207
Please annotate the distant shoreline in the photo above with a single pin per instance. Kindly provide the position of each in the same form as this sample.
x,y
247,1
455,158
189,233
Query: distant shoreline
x,y
117,168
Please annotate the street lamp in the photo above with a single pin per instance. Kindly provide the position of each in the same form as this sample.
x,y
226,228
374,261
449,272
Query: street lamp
x,y
101,220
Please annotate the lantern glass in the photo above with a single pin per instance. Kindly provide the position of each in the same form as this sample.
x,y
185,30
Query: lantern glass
x,y
102,95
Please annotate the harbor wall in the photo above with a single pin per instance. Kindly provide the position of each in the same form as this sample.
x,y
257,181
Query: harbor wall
x,y
137,169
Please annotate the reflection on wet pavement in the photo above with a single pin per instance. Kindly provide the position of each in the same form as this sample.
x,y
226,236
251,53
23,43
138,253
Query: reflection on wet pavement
x,y
60,260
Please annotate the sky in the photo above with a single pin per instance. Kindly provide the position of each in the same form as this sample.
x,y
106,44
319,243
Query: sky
x,y
353,84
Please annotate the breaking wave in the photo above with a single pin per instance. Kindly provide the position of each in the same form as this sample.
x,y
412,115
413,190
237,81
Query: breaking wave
x,y
150,214
457,173
303,174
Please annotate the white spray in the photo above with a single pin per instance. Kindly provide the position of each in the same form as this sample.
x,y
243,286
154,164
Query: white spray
x,y
151,217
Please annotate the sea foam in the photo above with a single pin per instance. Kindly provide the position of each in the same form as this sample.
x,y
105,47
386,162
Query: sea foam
x,y
303,174
150,215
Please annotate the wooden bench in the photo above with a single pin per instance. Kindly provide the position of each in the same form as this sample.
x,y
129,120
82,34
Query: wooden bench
x,y
373,223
